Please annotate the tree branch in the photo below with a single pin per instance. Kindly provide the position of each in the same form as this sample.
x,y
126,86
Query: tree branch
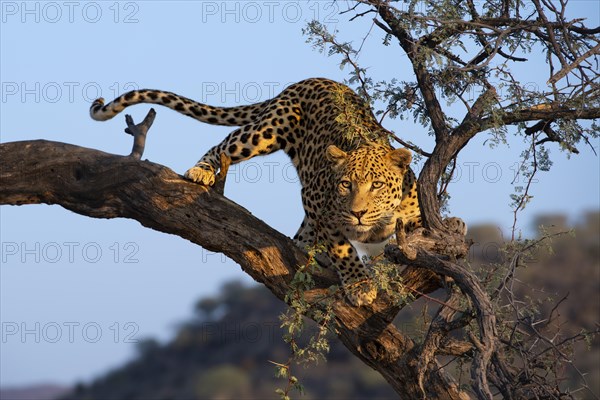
x,y
486,343
563,72
434,109
101,185
544,111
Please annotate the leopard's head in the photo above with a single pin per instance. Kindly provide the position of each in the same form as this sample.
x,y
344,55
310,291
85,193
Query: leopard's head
x,y
368,188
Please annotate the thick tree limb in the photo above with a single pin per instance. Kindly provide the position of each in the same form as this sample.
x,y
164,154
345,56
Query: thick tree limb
x,y
101,185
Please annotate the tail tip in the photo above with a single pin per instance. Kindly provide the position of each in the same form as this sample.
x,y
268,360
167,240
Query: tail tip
x,y
95,107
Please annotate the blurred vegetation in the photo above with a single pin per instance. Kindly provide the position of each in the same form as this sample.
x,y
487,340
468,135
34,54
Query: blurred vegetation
x,y
225,350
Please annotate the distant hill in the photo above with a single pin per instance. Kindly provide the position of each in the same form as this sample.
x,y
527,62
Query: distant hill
x,y
223,352
38,392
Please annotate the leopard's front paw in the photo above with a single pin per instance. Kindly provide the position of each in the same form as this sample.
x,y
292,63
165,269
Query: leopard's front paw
x,y
455,224
360,295
201,176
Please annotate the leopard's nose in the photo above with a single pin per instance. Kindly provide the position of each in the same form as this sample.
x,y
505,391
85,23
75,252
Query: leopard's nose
x,y
359,214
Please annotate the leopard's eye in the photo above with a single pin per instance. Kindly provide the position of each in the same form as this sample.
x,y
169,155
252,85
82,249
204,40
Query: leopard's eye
x,y
346,184
377,185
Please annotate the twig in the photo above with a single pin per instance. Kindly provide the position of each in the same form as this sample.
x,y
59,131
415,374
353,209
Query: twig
x,y
139,133
524,197
414,148
440,302
219,185
563,72
446,181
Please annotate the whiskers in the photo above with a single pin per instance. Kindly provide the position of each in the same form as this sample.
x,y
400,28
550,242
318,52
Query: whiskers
x,y
371,220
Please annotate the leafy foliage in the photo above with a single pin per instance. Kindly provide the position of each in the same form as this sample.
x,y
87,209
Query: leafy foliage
x,y
470,76
293,322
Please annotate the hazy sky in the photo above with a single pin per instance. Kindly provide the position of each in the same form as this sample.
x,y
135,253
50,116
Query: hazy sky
x,y
76,292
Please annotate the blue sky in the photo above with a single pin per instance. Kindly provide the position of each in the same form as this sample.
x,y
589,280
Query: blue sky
x,y
75,292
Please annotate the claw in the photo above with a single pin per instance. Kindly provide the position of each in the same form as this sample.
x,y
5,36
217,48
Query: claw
x,y
364,295
201,176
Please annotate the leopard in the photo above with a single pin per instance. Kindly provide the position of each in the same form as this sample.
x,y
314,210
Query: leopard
x,y
354,185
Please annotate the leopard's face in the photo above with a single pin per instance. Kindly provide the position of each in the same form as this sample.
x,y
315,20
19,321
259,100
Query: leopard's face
x,y
368,190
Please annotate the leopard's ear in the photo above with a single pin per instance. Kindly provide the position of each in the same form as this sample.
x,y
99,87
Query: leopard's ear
x,y
400,157
336,155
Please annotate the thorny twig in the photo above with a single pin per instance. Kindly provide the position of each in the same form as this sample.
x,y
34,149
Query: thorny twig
x,y
524,197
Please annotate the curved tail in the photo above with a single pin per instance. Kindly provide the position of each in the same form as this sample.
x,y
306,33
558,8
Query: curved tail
x,y
228,116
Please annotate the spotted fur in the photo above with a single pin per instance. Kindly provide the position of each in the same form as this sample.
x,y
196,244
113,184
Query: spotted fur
x,y
355,186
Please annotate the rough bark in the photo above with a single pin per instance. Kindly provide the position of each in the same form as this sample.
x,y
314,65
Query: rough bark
x,y
101,185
